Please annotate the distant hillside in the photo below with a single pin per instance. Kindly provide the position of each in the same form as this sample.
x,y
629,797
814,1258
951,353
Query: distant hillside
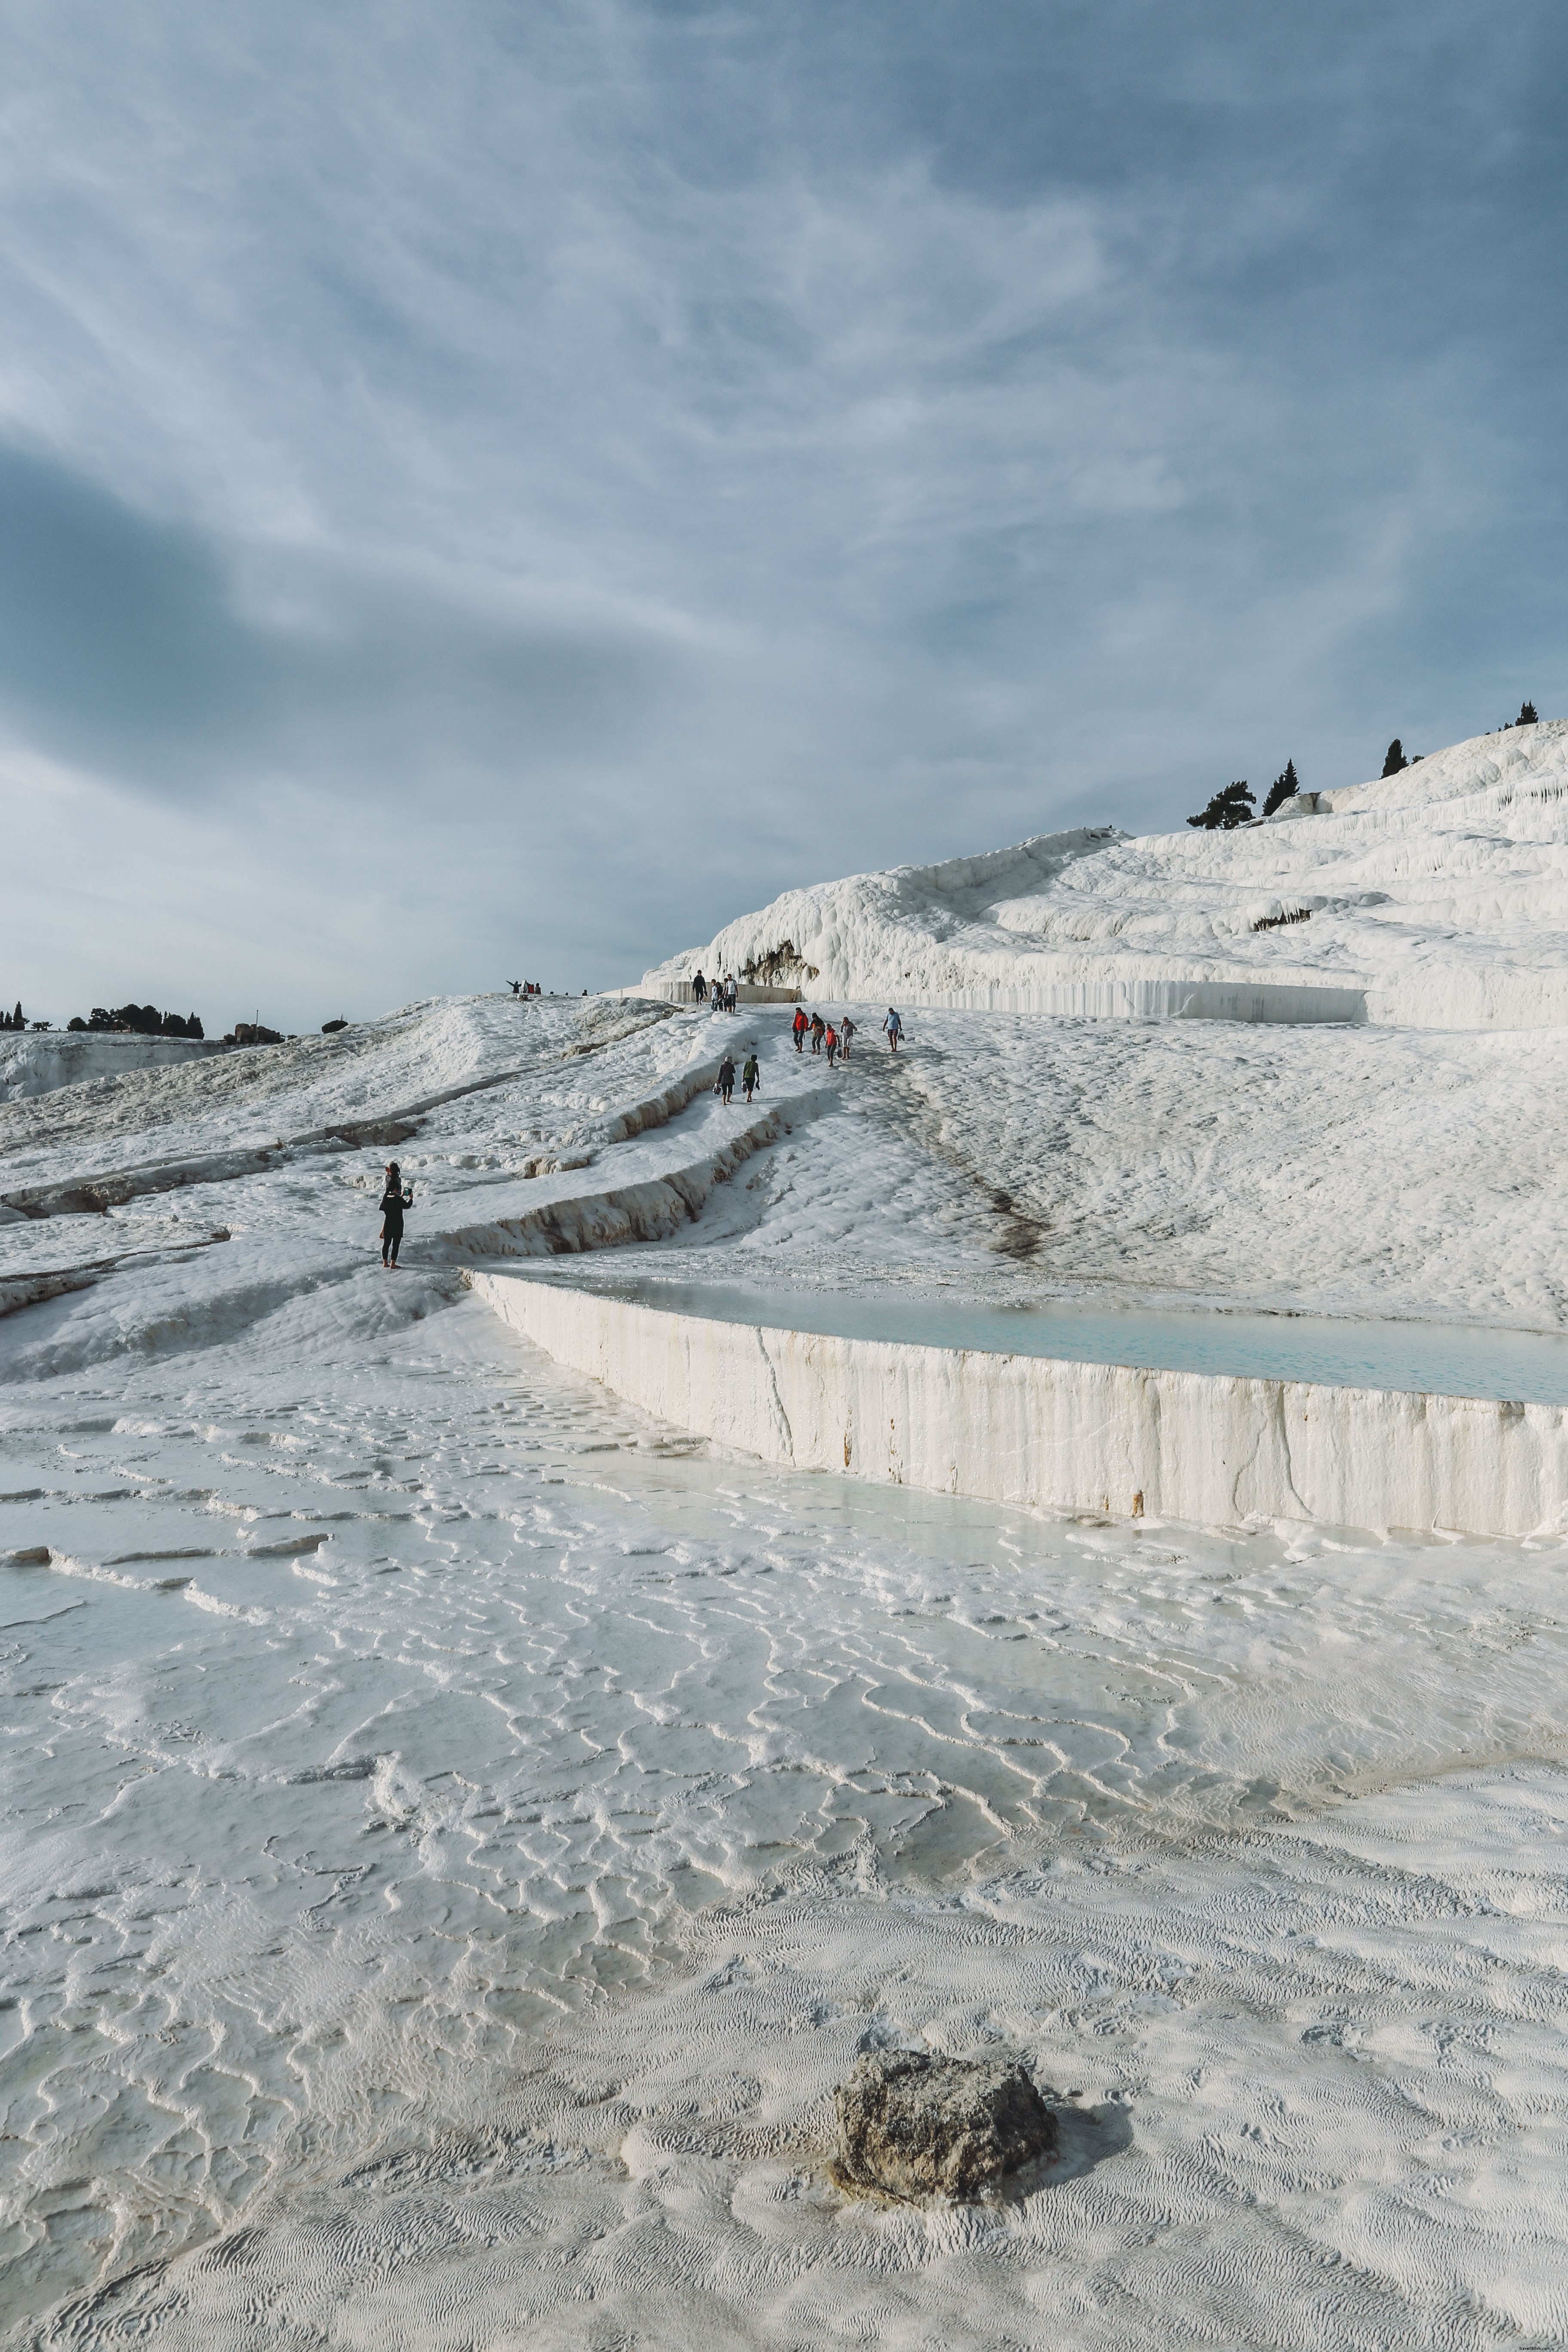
x,y
1435,897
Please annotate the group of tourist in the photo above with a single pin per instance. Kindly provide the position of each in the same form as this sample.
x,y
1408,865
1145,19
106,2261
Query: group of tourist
x,y
528,988
719,995
827,1036
835,1039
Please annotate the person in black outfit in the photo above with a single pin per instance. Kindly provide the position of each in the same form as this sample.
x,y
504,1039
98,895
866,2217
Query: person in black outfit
x,y
726,1078
394,1200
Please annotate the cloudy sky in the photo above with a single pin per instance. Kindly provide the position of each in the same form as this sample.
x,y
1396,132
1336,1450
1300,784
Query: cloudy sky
x,y
493,489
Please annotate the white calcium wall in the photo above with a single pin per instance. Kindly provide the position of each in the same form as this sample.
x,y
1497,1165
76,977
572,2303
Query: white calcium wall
x,y
1157,1000
1033,1431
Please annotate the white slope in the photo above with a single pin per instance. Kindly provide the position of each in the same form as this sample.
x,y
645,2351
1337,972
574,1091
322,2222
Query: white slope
x,y
1436,898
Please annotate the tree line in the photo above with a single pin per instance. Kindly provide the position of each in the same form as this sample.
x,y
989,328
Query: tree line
x,y
140,1020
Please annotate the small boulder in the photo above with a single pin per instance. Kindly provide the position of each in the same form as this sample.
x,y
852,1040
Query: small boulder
x,y
914,2125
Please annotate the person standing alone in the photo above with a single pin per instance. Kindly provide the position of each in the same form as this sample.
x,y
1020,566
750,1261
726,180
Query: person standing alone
x,y
395,1199
895,1029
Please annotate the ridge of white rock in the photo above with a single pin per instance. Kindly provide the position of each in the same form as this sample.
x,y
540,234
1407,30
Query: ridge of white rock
x,y
1431,899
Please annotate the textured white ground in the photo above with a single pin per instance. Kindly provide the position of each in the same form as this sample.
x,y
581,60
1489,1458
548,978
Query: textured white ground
x,y
1440,893
455,1831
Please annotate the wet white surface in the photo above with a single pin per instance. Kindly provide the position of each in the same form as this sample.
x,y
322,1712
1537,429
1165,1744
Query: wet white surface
x,y
455,1835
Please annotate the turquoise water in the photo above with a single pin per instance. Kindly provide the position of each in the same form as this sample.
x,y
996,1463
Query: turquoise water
x,y
1442,1360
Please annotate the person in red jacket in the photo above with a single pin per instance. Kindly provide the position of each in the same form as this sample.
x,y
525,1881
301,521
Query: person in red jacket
x,y
799,1026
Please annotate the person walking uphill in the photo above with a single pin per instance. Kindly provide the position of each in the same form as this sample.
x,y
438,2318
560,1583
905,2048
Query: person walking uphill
x,y
395,1199
726,1078
750,1073
895,1029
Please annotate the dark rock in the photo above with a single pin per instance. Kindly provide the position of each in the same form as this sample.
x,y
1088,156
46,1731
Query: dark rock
x,y
331,1028
914,2125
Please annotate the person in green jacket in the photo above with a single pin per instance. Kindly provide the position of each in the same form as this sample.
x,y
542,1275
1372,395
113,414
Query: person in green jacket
x,y
751,1073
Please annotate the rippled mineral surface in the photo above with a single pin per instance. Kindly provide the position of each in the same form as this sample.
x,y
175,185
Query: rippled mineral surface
x,y
457,1834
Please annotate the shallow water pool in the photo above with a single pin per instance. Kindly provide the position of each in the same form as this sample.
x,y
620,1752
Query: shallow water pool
x,y
1435,1358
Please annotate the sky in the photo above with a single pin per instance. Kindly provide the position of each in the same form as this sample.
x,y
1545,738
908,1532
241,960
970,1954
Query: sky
x,y
494,491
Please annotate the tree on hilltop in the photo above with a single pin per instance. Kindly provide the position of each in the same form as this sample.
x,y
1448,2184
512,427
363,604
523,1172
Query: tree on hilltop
x,y
1285,787
1228,809
1394,761
1527,716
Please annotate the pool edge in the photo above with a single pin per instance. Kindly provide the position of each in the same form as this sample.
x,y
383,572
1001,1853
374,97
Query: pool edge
x,y
1052,1433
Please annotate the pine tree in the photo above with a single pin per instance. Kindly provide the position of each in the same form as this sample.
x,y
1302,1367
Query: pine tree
x,y
1285,787
1527,717
17,1020
1395,761
1228,809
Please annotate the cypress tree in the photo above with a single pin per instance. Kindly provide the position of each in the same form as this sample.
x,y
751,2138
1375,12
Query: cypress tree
x,y
1396,760
1285,787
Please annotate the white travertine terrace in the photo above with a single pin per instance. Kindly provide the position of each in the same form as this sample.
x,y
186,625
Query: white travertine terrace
x,y
1046,1433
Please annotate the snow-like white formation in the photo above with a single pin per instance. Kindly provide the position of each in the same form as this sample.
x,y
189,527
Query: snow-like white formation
x,y
36,1064
1062,1435
1434,899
